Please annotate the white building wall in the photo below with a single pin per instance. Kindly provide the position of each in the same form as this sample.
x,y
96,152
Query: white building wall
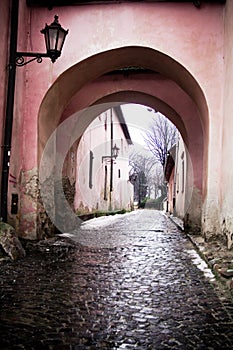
x,y
93,185
180,179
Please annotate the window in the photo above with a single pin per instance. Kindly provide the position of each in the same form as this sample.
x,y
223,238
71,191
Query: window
x,y
177,183
91,169
106,122
119,173
182,172
182,184
105,182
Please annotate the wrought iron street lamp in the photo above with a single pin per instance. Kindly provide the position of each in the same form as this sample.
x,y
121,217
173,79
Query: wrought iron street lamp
x,y
54,36
114,153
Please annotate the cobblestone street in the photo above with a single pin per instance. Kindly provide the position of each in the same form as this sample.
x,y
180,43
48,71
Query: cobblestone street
x,y
133,281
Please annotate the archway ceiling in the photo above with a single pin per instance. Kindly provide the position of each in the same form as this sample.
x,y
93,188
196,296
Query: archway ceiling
x,y
149,89
84,73
72,80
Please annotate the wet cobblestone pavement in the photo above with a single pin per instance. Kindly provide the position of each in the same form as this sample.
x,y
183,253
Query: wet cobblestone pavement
x,y
130,285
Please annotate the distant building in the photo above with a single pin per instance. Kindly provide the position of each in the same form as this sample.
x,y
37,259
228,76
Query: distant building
x,y
102,178
169,173
176,177
180,178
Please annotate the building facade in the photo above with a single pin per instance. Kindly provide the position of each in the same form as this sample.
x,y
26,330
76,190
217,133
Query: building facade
x,y
102,175
178,174
171,177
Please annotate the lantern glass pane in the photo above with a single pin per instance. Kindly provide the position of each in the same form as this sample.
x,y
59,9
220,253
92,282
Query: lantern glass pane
x,y
46,35
61,38
52,39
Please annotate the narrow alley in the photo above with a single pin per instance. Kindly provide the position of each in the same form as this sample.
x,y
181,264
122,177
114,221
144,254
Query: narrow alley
x,y
129,281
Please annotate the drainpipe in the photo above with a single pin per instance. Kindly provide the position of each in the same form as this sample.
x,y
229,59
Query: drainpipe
x,y
111,161
111,170
9,107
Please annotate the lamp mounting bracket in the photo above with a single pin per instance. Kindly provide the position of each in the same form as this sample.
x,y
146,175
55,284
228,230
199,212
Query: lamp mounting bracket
x,y
20,61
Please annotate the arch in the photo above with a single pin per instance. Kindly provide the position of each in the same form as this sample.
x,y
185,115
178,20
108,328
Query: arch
x,y
168,87
72,80
153,90
158,92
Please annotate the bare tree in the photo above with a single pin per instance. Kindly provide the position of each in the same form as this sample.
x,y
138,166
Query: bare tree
x,y
141,164
160,137
141,161
156,184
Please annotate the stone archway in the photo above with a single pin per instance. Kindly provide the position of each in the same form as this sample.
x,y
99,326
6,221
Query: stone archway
x,y
73,79
172,80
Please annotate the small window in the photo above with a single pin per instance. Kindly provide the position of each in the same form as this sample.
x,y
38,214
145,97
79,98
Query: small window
x,y
106,122
182,183
119,173
177,183
105,182
91,169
